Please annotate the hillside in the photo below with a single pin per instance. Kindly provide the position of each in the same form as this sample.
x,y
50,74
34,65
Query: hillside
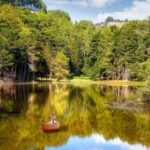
x,y
114,23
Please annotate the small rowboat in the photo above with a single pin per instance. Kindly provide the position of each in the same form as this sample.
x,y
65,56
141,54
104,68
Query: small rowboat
x,y
50,127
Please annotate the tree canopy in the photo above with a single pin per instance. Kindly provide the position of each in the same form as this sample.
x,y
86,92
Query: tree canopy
x,y
36,45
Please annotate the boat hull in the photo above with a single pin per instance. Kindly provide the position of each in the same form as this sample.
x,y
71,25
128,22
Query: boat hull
x,y
50,127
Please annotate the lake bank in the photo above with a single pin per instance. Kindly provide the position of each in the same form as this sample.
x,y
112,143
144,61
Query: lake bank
x,y
102,82
82,81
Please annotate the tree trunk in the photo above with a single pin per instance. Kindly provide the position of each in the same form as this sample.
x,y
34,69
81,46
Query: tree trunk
x,y
125,73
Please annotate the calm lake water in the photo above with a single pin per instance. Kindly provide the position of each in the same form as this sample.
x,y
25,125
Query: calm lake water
x,y
87,123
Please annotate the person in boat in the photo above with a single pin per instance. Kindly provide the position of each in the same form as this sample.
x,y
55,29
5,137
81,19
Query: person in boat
x,y
53,119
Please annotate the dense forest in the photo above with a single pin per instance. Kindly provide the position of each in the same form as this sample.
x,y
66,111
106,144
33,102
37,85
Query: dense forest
x,y
48,44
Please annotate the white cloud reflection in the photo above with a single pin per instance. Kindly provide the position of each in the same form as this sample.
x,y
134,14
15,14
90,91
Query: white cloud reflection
x,y
97,142
99,139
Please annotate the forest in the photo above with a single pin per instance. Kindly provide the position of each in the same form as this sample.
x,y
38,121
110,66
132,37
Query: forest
x,y
49,44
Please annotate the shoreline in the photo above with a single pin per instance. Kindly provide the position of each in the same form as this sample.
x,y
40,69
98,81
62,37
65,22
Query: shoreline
x,y
81,81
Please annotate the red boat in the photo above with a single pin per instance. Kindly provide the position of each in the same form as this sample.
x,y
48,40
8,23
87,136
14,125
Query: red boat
x,y
50,127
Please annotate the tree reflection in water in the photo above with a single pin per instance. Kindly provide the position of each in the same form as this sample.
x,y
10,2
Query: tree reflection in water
x,y
81,110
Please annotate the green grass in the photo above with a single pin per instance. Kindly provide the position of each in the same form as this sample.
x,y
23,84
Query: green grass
x,y
87,80
81,78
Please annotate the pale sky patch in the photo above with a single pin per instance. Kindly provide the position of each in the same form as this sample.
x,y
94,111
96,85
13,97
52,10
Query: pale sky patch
x,y
139,11
100,3
81,3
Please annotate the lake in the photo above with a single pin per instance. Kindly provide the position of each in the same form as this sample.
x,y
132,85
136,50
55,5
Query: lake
x,y
87,121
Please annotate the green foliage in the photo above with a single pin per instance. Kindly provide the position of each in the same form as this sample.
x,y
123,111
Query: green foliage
x,y
5,59
146,69
31,43
80,48
60,66
100,57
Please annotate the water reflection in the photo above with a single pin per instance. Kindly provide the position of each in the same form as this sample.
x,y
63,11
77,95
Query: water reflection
x,y
97,142
86,121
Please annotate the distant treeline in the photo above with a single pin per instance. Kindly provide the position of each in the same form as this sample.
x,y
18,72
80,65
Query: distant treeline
x,y
49,44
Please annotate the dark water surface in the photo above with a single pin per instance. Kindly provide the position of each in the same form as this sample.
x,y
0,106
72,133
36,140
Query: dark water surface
x,y
87,123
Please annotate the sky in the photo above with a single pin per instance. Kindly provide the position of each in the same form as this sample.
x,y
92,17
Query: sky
x,y
98,10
